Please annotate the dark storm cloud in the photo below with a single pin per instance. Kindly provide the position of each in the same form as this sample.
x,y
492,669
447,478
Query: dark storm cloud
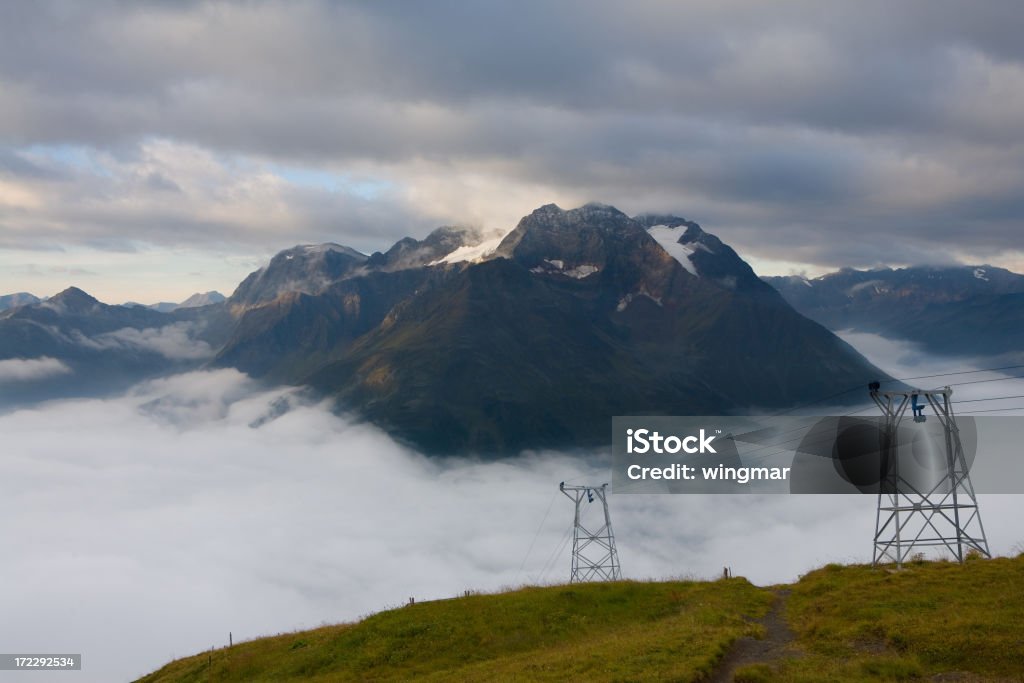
x,y
878,125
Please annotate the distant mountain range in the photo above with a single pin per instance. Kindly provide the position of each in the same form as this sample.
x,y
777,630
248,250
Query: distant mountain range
x,y
951,310
98,347
194,301
84,347
461,343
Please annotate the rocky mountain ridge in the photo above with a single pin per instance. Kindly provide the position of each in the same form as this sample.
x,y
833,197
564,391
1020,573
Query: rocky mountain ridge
x,y
469,343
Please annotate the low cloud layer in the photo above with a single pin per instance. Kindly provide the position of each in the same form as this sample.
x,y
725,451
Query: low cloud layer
x,y
803,133
176,341
150,525
31,369
969,379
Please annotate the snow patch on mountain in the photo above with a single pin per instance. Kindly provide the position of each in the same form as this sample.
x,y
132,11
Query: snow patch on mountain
x,y
472,253
668,238
581,271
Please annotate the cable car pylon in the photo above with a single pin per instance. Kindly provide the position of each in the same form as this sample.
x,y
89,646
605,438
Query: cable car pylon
x,y
594,557
913,512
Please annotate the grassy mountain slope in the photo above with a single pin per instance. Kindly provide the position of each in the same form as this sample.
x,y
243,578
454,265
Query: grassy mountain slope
x,y
598,631
932,621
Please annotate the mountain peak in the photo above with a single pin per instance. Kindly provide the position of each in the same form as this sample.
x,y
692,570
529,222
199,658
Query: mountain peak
x,y
329,247
73,299
466,232
202,299
598,211
307,268
448,238
599,207
551,208
409,252
74,295
577,235
702,253
17,299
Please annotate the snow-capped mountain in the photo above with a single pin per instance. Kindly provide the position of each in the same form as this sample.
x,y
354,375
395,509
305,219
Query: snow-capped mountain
x,y
466,342
702,253
574,316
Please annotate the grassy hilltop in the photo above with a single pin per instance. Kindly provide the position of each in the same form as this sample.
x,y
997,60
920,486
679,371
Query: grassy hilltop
x,y
932,621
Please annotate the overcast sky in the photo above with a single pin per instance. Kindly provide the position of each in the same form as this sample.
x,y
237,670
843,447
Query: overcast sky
x,y
148,150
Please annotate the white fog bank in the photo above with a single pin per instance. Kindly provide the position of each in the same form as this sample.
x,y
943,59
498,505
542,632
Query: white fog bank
x,y
146,527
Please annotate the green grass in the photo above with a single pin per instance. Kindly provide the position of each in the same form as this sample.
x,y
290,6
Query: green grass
x,y
856,623
625,631
850,624
859,624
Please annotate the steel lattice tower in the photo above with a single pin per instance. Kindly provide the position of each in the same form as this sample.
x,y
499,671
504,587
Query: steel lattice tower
x,y
594,557
910,515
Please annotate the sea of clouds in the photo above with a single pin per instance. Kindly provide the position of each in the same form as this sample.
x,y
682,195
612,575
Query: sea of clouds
x,y
148,526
